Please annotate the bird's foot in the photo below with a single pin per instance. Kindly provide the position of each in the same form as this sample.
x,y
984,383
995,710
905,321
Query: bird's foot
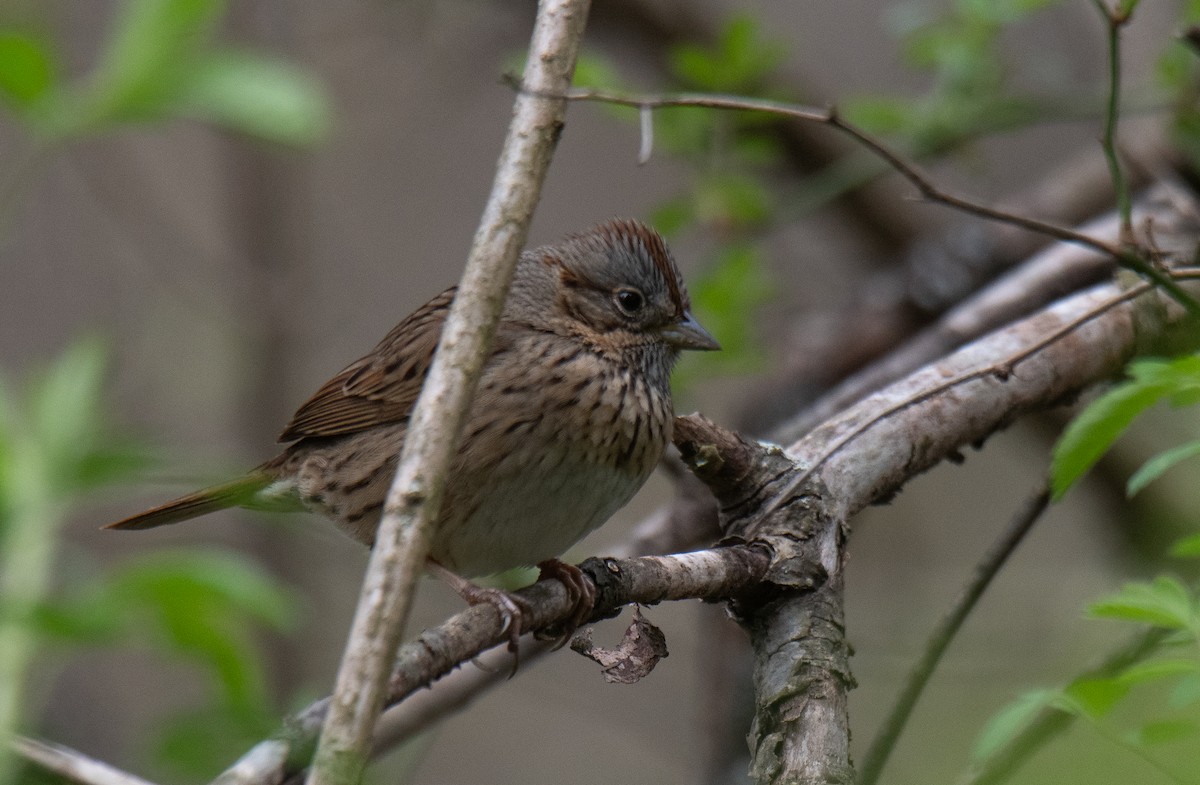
x,y
510,607
580,590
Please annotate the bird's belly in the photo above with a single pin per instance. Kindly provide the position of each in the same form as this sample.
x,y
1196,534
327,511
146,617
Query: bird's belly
x,y
532,516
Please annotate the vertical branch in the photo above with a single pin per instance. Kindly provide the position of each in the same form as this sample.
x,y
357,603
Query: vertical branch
x,y
1115,19
801,729
800,733
402,542
1130,256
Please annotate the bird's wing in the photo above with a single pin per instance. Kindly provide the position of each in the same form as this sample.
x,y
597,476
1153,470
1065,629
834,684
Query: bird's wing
x,y
380,388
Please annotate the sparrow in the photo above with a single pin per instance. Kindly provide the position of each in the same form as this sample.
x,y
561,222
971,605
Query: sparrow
x,y
571,415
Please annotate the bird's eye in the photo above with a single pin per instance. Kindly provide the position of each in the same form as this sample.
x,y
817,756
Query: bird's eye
x,y
630,301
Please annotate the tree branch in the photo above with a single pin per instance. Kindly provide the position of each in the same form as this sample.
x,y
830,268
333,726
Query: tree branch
x,y
867,452
71,764
1114,21
712,575
402,541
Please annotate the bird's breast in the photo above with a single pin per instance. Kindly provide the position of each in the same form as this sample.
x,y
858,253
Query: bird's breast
x,y
542,465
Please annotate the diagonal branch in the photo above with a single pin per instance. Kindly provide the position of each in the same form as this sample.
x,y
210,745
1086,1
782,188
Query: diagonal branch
x,y
402,541
987,569
711,575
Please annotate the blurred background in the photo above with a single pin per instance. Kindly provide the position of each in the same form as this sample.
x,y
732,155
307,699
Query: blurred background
x,y
208,209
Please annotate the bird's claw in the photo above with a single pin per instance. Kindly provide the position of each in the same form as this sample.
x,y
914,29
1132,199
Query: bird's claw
x,y
580,590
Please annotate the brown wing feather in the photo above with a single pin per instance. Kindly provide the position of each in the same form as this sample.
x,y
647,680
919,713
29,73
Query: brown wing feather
x,y
380,388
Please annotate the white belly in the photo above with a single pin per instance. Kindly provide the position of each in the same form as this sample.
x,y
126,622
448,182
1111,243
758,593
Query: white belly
x,y
532,516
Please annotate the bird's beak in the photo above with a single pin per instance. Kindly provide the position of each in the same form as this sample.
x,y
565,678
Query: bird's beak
x,y
688,334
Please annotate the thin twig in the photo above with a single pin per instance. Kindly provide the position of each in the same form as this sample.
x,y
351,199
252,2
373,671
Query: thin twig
x,y
945,632
831,118
402,541
1114,22
71,764
1125,255
1052,723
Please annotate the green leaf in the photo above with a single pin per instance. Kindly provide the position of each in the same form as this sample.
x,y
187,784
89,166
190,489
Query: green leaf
x,y
746,58
1179,375
1090,434
725,300
727,296
673,215
694,66
739,63
595,71
64,407
1154,468
87,618
1186,692
684,130
216,578
148,57
108,464
1175,67
756,149
196,742
1164,603
201,603
732,200
26,69
261,96
879,114
1006,724
1187,547
1158,670
1095,696
1165,731
1006,11
1127,7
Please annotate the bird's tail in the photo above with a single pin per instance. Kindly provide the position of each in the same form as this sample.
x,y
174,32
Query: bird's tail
x,y
241,492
